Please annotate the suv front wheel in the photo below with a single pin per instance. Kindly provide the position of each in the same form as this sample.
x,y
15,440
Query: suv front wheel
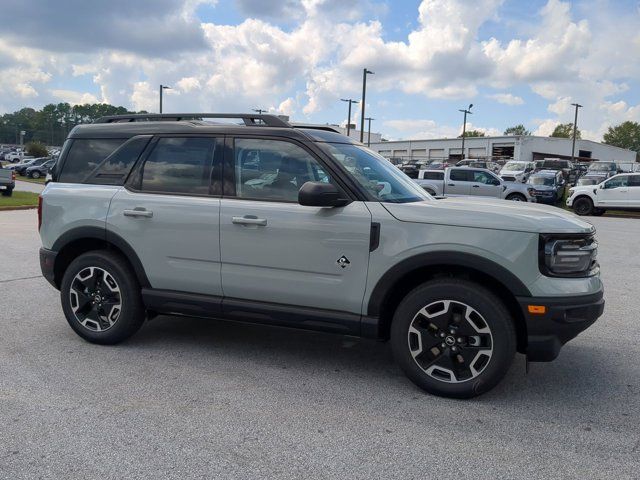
x,y
101,298
453,338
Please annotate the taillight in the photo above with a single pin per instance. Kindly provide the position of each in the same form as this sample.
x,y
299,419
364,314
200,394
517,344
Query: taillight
x,y
39,211
13,175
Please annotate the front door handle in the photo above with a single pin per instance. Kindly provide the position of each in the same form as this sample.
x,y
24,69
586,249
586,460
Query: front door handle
x,y
451,184
475,186
249,220
138,212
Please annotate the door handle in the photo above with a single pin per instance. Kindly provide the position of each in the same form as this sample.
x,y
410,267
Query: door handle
x,y
475,186
249,220
451,184
138,212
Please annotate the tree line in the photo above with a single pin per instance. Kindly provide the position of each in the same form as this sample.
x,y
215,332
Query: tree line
x,y
51,124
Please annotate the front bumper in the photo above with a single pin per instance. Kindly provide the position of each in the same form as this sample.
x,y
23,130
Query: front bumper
x,y
564,319
47,263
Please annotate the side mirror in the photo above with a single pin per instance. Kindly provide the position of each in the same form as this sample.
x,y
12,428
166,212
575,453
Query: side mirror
x,y
320,194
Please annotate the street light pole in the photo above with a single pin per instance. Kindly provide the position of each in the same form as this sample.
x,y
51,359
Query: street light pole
x,y
575,129
163,87
464,126
365,72
369,131
349,114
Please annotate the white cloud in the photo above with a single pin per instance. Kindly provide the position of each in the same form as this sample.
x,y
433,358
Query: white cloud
x,y
73,97
506,98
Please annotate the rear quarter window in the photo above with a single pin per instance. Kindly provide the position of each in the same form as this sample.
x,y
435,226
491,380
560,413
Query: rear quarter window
x,y
84,156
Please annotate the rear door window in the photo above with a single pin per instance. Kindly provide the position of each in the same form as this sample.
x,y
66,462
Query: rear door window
x,y
116,167
84,156
460,175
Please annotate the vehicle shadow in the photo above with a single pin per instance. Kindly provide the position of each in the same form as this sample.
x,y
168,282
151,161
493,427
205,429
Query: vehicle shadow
x,y
583,380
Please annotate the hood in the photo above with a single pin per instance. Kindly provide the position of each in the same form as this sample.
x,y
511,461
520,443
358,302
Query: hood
x,y
490,213
511,172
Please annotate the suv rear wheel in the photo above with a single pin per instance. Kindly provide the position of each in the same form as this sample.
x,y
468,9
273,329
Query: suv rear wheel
x,y
453,338
101,298
583,206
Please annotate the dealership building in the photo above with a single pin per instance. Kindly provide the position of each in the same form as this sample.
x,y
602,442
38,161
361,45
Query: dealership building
x,y
519,147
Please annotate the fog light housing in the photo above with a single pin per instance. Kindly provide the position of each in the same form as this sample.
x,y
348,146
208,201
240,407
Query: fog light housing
x,y
568,256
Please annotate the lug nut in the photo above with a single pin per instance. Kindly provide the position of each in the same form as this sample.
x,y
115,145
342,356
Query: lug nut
x,y
442,334
460,339
443,345
454,349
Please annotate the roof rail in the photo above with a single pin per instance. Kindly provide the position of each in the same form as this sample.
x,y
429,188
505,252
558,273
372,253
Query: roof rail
x,y
248,118
327,128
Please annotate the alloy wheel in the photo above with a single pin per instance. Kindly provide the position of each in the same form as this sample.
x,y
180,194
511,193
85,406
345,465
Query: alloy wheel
x,y
95,299
450,341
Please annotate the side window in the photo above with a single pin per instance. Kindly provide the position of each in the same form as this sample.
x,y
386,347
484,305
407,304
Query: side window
x,y
116,167
634,180
84,156
483,177
179,165
434,175
616,182
274,170
460,175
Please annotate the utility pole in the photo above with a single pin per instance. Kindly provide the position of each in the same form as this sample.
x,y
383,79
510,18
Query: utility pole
x,y
365,72
464,126
575,130
369,131
259,111
163,87
349,114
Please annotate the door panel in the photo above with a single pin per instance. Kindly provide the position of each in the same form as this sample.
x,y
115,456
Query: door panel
x,y
289,254
481,185
458,183
615,193
168,218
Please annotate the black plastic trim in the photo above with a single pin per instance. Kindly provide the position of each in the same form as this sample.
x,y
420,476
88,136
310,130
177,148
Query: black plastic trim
x,y
443,258
181,303
47,264
97,233
564,319
374,238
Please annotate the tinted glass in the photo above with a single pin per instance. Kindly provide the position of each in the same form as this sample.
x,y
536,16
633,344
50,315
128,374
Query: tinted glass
x,y
615,182
116,167
84,156
375,174
179,165
273,169
634,180
542,180
460,175
433,175
483,177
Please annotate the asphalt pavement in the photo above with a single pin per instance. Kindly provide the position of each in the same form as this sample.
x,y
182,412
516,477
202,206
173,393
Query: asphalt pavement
x,y
189,398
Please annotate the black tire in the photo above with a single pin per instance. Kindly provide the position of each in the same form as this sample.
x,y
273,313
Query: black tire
x,y
516,197
130,315
35,174
598,212
460,294
583,206
8,192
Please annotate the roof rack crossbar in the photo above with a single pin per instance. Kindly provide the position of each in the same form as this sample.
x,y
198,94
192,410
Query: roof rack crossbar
x,y
248,118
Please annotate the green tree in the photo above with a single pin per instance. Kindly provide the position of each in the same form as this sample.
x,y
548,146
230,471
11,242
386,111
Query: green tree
x,y
472,133
36,149
517,130
626,135
565,130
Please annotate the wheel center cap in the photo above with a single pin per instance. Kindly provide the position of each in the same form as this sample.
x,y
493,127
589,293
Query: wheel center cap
x,y
450,341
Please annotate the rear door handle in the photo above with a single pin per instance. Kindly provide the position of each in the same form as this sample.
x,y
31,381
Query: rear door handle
x,y
475,186
138,212
249,220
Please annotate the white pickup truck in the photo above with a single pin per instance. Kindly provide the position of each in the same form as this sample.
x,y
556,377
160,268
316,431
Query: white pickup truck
x,y
460,181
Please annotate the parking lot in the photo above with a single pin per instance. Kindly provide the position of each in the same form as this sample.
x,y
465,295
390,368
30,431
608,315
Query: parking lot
x,y
212,399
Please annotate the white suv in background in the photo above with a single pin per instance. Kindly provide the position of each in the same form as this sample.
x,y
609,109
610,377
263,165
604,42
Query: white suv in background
x,y
621,192
517,171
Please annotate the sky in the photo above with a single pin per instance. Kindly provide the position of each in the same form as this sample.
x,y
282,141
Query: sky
x,y
516,61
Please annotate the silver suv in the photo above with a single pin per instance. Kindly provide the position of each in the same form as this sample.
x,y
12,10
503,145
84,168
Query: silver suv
x,y
300,226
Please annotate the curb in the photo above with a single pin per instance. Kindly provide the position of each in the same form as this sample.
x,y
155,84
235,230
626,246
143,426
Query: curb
x,y
18,207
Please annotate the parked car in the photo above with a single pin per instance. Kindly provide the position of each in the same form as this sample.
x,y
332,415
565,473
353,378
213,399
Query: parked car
x,y
148,217
569,172
411,169
517,171
7,181
494,167
607,169
621,192
548,186
465,181
37,171
21,169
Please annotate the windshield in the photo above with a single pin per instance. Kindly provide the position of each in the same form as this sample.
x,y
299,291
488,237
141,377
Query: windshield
x,y
514,167
378,176
602,167
541,181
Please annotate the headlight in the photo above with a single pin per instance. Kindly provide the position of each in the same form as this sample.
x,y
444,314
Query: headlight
x,y
571,190
568,256
531,191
